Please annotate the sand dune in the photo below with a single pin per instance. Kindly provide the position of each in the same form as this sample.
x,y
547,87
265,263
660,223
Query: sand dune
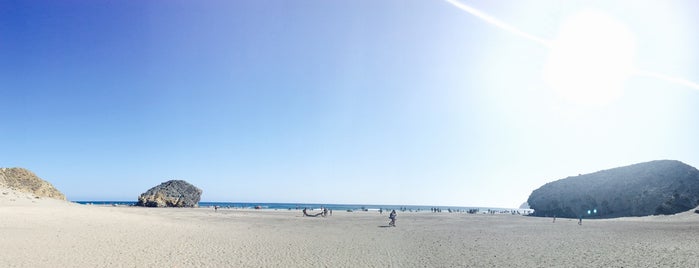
x,y
51,233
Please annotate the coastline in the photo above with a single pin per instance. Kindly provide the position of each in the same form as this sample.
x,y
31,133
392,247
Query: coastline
x,y
335,207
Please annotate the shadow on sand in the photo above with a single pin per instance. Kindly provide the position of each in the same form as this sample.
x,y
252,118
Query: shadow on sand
x,y
384,226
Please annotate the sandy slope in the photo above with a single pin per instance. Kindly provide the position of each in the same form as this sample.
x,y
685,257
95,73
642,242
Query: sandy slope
x,y
50,233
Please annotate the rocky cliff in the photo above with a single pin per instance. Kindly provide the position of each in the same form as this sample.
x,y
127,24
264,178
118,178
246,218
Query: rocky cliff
x,y
23,180
651,188
174,193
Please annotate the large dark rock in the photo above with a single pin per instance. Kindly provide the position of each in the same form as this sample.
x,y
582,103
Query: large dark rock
x,y
651,188
174,193
25,181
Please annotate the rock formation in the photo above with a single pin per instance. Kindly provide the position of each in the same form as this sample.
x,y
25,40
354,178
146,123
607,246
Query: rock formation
x,y
174,193
651,188
23,180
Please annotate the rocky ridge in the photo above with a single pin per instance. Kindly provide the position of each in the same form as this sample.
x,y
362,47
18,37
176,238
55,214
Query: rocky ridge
x,y
25,181
660,187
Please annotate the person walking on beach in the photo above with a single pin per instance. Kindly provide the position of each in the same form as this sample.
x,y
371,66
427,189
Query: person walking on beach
x,y
392,216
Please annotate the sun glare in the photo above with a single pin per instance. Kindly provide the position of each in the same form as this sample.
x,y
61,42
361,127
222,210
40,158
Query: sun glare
x,y
591,58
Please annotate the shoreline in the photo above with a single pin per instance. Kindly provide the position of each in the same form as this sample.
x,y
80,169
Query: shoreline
x,y
336,207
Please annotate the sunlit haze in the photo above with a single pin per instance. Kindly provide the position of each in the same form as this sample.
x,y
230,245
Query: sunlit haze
x,y
591,58
464,103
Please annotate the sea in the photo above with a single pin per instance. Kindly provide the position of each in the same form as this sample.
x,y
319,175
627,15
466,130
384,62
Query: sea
x,y
337,207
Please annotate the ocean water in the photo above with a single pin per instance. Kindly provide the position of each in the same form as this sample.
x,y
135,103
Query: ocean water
x,y
336,207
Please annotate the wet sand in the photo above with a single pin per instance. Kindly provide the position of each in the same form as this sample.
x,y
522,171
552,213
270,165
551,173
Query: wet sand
x,y
50,233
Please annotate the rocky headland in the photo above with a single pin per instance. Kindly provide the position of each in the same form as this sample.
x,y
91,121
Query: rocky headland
x,y
660,187
173,193
25,181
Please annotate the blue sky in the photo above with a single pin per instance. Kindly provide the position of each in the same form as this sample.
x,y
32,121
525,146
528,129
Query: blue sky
x,y
389,102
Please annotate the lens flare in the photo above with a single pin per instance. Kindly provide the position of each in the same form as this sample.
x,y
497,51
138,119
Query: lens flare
x,y
590,60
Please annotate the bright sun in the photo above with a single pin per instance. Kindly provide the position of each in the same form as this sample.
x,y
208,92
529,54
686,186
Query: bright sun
x,y
591,59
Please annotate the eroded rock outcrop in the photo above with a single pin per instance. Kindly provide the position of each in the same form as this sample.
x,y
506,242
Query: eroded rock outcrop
x,y
173,193
651,188
25,181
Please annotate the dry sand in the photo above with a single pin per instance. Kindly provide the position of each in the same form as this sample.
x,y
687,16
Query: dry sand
x,y
50,233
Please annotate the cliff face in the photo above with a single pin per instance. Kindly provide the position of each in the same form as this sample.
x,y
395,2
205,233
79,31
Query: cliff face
x,y
651,188
23,180
174,193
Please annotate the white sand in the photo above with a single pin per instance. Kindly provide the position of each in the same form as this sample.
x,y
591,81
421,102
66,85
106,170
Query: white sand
x,y
50,233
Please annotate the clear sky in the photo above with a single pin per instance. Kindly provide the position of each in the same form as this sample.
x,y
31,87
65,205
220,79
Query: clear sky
x,y
382,102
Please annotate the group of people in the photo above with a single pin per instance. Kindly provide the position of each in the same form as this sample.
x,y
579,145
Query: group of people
x,y
325,212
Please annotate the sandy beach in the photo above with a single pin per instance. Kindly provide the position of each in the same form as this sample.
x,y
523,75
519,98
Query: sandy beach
x,y
50,233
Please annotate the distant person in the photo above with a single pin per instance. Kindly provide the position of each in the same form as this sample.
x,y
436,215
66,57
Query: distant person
x,y
392,216
380,211
554,218
304,212
580,220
